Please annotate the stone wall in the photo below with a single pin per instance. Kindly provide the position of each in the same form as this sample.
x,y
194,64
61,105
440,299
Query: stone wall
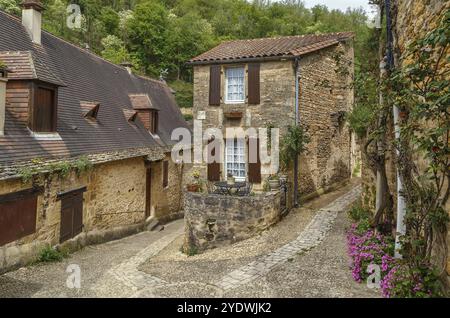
x,y
411,21
113,206
212,220
327,160
326,94
167,201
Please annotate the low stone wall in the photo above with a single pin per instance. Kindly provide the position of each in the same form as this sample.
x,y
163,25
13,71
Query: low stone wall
x,y
212,220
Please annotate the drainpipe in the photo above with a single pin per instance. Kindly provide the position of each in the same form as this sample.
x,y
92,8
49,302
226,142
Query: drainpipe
x,y
297,93
401,204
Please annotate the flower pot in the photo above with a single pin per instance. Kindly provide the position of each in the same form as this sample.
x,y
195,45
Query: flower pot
x,y
274,184
193,187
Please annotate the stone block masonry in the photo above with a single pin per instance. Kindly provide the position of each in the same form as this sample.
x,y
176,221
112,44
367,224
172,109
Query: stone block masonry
x,y
113,206
212,220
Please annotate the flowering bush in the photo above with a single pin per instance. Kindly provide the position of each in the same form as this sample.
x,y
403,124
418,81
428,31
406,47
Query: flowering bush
x,y
405,282
366,247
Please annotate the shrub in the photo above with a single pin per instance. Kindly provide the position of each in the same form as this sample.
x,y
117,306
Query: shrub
x,y
49,254
358,213
405,282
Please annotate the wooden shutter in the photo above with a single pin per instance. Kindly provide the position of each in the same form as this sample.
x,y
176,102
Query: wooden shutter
x,y
71,214
254,83
165,173
44,114
66,223
214,85
254,169
17,215
214,167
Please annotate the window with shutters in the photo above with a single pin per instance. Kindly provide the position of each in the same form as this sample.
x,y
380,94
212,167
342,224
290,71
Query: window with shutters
x,y
71,214
17,215
235,85
43,114
165,174
235,158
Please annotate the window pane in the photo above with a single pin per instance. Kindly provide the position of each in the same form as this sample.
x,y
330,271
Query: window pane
x,y
235,78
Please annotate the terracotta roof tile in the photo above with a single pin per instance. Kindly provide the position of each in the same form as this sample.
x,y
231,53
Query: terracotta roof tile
x,y
288,46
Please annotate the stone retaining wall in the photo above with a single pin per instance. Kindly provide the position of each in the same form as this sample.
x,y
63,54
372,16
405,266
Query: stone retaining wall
x,y
213,220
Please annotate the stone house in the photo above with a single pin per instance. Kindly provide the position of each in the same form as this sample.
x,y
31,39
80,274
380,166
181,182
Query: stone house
x,y
84,144
258,83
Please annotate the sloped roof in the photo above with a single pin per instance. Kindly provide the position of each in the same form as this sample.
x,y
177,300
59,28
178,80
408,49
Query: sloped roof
x,y
24,65
87,77
277,47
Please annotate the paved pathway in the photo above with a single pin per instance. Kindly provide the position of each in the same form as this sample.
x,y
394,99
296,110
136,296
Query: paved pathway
x,y
313,263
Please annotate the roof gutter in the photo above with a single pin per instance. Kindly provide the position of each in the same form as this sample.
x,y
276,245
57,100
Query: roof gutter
x,y
244,60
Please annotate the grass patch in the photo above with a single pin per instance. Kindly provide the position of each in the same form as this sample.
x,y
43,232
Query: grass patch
x,y
50,255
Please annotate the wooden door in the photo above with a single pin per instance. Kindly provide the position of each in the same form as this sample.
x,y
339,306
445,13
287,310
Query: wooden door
x,y
71,215
148,193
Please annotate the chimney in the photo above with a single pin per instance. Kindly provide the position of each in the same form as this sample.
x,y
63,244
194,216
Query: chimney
x,y
128,66
32,18
3,81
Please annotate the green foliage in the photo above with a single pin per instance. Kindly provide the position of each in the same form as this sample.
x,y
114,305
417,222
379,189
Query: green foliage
x,y
188,117
420,89
157,35
415,282
190,250
183,93
292,144
360,118
2,65
49,255
61,168
358,213
10,6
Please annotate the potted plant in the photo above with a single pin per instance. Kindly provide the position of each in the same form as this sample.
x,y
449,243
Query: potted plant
x,y
274,182
196,185
230,179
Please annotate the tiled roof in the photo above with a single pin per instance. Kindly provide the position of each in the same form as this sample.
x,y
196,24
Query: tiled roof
x,y
141,101
87,77
282,47
24,65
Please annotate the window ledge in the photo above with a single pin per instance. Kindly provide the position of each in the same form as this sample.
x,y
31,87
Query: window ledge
x,y
46,136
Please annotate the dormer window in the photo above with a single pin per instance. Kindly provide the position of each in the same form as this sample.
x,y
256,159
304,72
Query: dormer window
x,y
130,115
146,111
43,109
27,70
90,109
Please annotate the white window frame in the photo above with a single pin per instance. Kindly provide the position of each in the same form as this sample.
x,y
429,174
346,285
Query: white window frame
x,y
228,101
231,143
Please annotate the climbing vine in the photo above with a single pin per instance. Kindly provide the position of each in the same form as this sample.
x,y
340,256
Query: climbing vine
x,y
420,89
61,168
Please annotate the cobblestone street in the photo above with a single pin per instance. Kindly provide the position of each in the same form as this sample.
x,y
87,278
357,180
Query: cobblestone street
x,y
303,256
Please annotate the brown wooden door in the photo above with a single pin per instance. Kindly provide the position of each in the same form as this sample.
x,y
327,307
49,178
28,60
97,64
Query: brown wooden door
x,y
71,216
44,111
148,193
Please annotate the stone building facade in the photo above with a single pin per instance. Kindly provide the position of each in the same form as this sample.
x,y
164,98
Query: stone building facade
x,y
325,69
